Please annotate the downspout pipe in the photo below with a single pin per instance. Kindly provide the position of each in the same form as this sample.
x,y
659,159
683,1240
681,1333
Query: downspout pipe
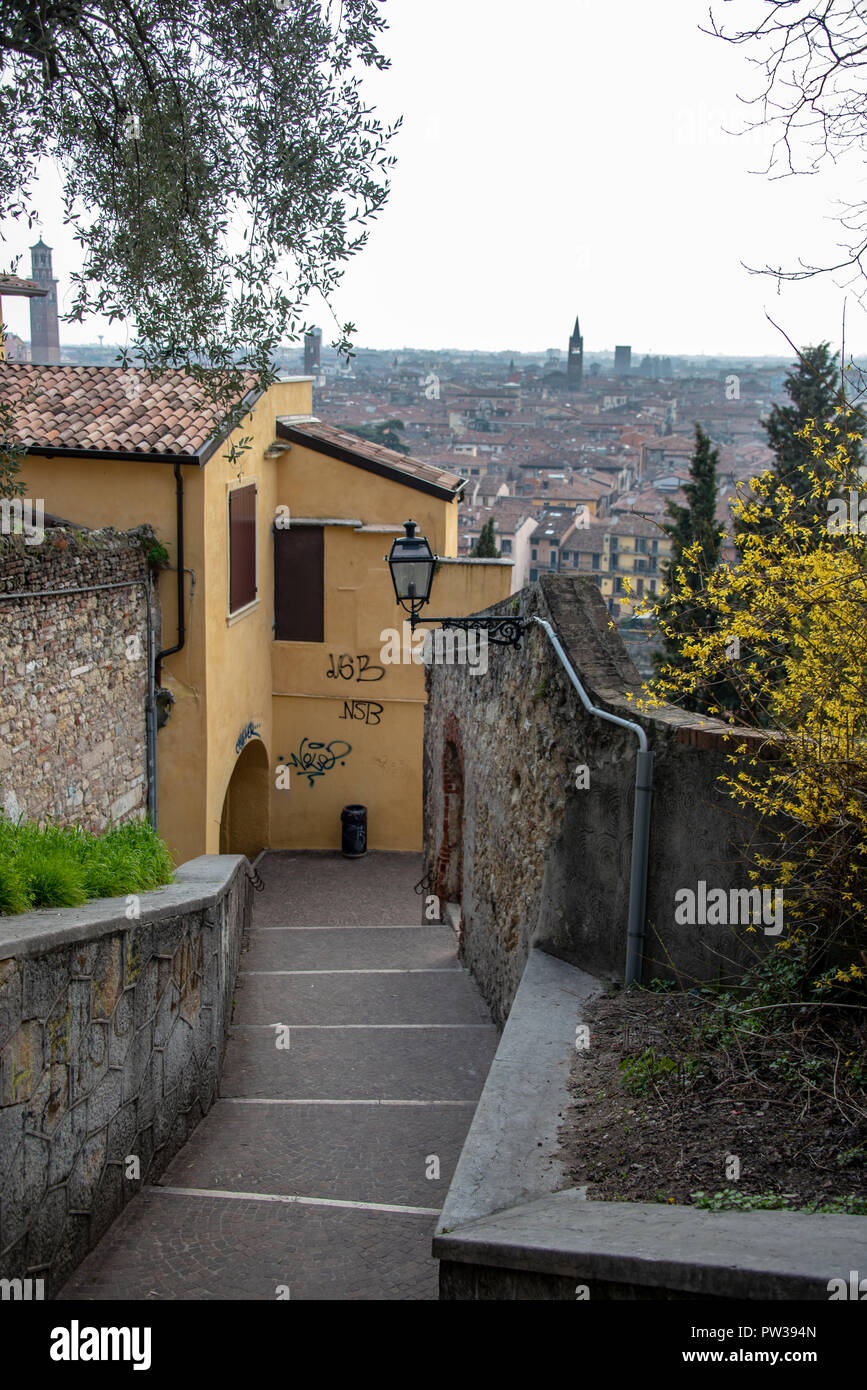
x,y
179,557
151,715
640,820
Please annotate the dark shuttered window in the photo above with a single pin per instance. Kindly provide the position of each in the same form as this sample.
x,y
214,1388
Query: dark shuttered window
x,y
299,584
242,547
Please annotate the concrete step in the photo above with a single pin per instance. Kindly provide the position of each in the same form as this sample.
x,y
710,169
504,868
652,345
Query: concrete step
x,y
415,1063
356,1153
165,1246
430,995
351,948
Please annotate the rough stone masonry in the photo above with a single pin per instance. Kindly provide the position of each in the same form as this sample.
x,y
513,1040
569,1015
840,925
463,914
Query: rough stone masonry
x,y
538,852
73,677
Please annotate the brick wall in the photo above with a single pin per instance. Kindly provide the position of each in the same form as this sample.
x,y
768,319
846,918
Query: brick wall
x,y
73,678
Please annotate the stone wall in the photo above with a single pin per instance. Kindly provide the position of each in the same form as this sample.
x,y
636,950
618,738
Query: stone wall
x,y
533,857
73,678
112,1033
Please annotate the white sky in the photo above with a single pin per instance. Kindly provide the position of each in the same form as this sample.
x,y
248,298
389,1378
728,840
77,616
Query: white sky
x,y
560,158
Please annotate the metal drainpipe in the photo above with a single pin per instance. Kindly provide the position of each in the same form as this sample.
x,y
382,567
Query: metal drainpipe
x,y
150,704
179,557
640,820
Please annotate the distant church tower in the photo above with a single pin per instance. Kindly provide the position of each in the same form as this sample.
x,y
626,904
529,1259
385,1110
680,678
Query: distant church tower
x,y
44,327
312,345
575,362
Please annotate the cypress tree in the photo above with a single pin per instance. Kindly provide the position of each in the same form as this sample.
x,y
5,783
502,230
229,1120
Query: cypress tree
x,y
695,522
814,391
485,547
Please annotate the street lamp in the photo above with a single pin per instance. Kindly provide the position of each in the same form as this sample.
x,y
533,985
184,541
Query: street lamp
x,y
412,564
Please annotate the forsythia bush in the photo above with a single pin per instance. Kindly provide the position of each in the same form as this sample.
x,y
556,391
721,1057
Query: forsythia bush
x,y
779,644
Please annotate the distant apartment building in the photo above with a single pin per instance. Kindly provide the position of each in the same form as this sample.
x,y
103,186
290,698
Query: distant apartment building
x,y
514,524
663,455
554,532
44,324
622,360
16,349
568,492
626,550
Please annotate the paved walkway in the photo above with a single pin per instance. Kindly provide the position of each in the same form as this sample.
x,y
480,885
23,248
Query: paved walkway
x,y
316,1171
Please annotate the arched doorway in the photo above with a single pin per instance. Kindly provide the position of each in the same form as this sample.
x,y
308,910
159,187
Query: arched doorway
x,y
245,822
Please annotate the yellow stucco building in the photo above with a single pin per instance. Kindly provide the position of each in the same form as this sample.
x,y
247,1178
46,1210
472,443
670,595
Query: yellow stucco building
x,y
283,710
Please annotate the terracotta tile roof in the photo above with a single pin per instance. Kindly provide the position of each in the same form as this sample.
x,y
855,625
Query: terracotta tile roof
x,y
403,468
97,410
13,284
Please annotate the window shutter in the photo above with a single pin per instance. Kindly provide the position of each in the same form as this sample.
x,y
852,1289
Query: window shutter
x,y
242,547
299,584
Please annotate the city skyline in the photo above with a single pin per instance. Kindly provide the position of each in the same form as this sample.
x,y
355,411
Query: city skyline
x,y
543,169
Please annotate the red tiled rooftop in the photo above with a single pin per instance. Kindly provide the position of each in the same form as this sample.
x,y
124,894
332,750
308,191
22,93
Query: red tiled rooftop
x,y
427,476
87,408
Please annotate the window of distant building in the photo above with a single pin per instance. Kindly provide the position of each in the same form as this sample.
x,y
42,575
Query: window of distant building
x,y
299,584
534,554
505,547
534,575
242,547
553,559
597,560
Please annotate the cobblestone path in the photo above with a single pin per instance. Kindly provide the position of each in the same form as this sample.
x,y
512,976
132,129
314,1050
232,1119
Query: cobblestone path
x,y
320,1171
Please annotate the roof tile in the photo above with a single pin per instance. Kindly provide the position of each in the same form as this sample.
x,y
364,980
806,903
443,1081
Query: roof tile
x,y
88,408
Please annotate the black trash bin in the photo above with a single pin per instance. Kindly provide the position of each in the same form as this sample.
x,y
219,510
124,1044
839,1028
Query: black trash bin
x,y
354,822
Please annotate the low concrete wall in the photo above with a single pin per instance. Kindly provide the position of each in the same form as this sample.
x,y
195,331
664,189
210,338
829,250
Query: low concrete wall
x,y
112,1034
510,1228
536,855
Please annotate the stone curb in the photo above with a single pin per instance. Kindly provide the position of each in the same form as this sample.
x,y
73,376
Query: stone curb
x,y
509,1230
199,883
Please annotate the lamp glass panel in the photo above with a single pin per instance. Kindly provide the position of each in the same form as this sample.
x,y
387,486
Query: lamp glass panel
x,y
412,578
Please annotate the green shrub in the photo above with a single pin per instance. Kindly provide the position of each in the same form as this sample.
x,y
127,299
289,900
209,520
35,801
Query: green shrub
x,y
64,866
732,1200
642,1072
14,897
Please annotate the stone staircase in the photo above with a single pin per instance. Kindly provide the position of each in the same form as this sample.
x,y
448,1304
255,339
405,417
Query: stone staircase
x,y
358,1051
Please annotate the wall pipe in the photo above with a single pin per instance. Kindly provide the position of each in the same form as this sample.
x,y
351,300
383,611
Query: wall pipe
x,y
640,820
179,557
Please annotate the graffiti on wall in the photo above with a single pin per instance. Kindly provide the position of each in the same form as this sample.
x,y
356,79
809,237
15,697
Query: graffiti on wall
x,y
356,668
368,711
314,759
249,731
